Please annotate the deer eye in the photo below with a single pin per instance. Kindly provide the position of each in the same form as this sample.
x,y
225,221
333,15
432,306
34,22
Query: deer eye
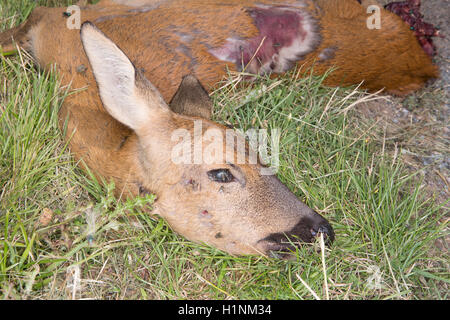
x,y
220,175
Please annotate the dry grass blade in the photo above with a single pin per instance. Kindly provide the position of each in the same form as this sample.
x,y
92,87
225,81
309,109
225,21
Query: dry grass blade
x,y
308,287
324,266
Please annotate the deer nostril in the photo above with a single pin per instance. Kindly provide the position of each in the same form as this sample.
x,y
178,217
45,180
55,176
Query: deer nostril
x,y
327,232
321,229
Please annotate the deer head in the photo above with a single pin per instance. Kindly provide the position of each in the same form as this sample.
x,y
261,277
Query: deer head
x,y
217,200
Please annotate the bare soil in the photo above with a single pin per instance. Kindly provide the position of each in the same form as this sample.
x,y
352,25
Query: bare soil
x,y
419,123
417,126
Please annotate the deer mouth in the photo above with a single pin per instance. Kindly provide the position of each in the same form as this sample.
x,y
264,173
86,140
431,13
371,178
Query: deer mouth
x,y
283,244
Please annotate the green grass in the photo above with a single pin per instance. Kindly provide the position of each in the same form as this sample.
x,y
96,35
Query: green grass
x,y
385,227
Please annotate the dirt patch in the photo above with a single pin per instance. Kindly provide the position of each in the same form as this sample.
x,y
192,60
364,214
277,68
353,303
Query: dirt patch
x,y
419,123
417,126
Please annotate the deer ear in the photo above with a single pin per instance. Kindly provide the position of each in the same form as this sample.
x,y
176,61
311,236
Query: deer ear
x,y
126,94
191,99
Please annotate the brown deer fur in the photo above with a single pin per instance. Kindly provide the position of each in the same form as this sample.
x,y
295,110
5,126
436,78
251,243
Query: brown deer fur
x,y
182,35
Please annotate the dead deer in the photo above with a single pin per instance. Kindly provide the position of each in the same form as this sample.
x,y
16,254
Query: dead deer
x,y
120,124
172,38
121,127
